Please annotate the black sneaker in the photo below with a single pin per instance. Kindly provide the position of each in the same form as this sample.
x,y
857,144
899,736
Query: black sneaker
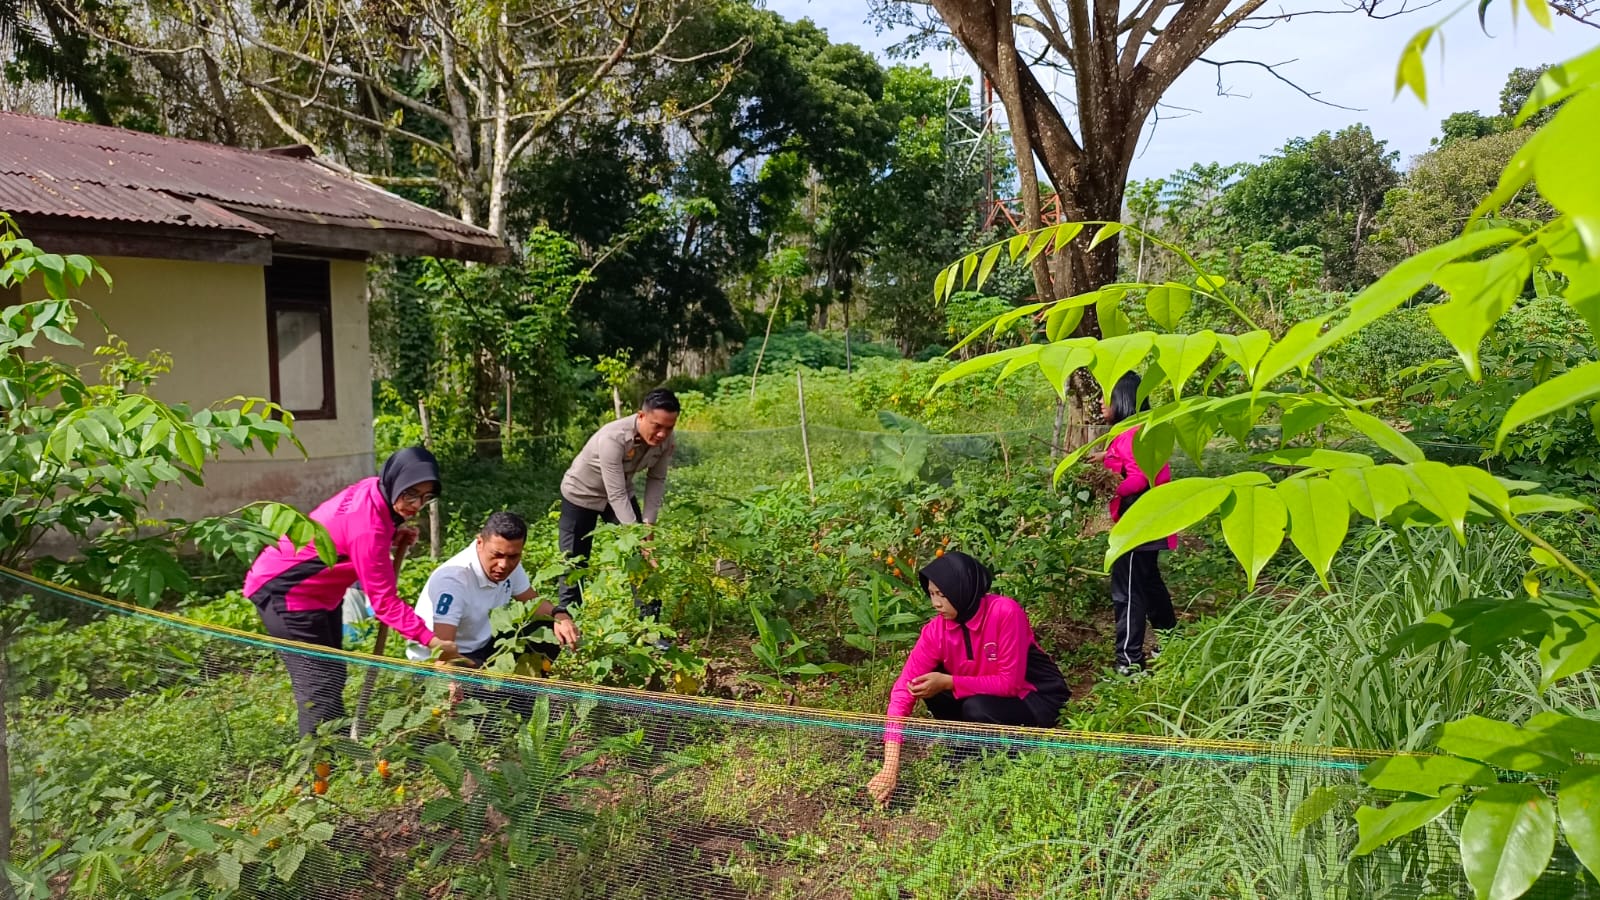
x,y
662,644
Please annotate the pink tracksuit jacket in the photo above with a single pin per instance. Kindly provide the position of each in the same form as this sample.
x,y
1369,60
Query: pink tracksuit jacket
x,y
987,656
363,527
1119,459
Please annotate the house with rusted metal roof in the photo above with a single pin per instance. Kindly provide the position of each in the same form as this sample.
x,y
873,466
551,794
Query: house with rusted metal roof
x,y
248,267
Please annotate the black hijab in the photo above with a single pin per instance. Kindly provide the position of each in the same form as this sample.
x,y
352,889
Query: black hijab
x,y
963,581
406,469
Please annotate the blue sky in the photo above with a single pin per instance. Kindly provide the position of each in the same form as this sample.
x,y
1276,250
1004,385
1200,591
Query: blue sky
x,y
1350,59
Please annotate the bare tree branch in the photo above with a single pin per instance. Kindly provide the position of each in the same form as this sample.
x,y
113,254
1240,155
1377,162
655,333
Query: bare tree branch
x,y
1273,69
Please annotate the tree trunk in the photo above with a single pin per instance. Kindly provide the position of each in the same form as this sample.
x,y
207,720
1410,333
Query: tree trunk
x,y
505,423
485,397
761,354
847,367
1008,83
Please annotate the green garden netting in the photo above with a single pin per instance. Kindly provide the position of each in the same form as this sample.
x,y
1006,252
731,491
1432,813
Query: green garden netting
x,y
163,762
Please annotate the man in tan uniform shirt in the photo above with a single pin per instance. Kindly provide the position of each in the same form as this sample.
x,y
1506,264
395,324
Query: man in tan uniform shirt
x,y
598,485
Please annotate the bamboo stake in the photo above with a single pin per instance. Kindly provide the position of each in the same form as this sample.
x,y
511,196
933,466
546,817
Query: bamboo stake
x,y
805,442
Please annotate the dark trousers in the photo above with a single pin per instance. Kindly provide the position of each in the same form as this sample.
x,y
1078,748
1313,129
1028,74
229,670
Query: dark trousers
x,y
1138,595
576,532
318,683
515,699
1035,710
481,654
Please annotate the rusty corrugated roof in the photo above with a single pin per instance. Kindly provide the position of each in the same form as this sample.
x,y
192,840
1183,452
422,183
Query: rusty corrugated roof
x,y
50,167
44,195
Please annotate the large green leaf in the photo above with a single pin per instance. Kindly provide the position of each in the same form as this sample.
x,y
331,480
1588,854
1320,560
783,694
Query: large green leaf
x,y
1380,826
1578,734
1318,804
1507,839
1480,293
1504,745
287,861
1254,521
1302,415
1385,436
1313,458
1289,353
1006,319
1411,72
1484,488
1064,234
1497,621
987,266
1181,355
1152,446
1579,800
1167,303
1195,430
1563,170
1062,320
1560,82
980,363
1373,491
1319,518
1405,279
1108,312
1570,646
1166,509
1058,361
1542,503
1245,350
1023,360
1115,357
1106,232
1425,775
1437,489
1560,393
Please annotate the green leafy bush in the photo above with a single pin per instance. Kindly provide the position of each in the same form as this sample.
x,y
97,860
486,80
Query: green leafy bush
x,y
795,347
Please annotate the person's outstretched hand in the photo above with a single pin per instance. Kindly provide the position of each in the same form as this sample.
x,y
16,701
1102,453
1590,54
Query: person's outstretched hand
x,y
882,784
404,538
566,631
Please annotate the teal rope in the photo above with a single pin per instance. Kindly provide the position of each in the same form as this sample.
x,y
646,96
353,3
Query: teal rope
x,y
664,705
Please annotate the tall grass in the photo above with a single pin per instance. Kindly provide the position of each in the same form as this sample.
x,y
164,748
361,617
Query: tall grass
x,y
1086,827
1310,669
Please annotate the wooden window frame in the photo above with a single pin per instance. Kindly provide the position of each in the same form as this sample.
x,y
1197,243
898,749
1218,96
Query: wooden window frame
x,y
300,296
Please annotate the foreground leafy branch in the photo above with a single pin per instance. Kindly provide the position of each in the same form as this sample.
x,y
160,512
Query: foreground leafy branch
x,y
81,459
1210,383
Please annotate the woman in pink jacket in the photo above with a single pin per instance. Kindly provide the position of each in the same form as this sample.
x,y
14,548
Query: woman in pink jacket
x,y
299,596
976,661
1138,595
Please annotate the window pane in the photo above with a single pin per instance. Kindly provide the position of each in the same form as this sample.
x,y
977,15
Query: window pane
x,y
300,360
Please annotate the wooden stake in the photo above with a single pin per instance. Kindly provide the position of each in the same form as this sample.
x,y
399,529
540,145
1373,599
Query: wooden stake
x,y
370,679
805,442
434,539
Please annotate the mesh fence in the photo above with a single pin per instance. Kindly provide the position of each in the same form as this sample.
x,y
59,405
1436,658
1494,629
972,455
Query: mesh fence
x,y
160,759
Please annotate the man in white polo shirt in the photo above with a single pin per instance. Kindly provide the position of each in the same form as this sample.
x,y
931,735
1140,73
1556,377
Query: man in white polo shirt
x,y
485,576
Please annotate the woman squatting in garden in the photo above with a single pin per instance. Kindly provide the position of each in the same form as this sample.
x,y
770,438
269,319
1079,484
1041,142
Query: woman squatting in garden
x,y
299,596
1138,595
976,661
